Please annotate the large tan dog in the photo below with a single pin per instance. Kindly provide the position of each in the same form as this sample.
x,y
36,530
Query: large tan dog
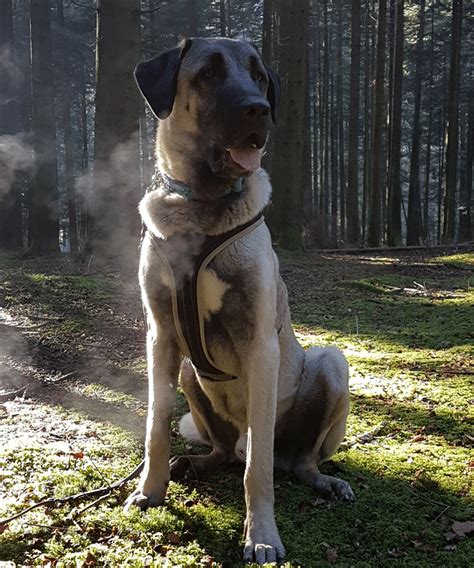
x,y
254,394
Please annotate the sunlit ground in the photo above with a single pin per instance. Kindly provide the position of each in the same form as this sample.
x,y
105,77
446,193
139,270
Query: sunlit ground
x,y
406,326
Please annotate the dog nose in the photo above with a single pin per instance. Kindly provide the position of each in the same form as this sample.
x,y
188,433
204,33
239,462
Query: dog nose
x,y
254,108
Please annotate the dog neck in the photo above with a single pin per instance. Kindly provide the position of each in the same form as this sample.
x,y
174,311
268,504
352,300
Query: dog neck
x,y
172,186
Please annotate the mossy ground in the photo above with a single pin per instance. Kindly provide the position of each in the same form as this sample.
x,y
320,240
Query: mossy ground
x,y
406,324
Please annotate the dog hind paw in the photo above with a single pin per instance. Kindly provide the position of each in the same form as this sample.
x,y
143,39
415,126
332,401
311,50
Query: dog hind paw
x,y
334,488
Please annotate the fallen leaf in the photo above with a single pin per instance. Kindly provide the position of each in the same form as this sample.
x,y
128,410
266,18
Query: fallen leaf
x,y
78,455
418,438
173,538
463,528
3,528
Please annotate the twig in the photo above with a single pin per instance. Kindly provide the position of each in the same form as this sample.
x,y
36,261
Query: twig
x,y
428,500
91,505
78,496
13,394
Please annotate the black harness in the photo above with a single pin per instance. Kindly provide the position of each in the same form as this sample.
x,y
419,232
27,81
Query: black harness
x,y
187,315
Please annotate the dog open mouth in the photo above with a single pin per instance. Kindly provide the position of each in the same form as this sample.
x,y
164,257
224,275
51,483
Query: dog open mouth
x,y
248,154
239,159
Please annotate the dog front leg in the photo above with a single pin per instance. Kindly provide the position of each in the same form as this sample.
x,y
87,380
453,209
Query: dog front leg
x,y
262,541
163,368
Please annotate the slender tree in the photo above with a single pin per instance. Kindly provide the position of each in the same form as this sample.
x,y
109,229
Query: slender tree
x,y
449,219
289,139
116,174
465,197
10,199
352,197
377,175
394,221
414,198
44,214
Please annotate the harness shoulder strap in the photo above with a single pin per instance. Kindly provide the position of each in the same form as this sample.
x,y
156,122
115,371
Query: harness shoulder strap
x,y
188,318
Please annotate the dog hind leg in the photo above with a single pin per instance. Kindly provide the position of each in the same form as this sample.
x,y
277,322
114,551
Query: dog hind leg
x,y
204,426
318,422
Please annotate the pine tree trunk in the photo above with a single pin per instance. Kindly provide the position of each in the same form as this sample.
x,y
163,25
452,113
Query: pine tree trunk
x,y
222,20
465,194
116,182
11,234
394,221
449,221
340,119
289,140
414,200
44,214
352,197
426,202
377,175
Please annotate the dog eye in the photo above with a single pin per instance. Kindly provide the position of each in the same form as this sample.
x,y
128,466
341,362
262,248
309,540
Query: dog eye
x,y
259,76
209,72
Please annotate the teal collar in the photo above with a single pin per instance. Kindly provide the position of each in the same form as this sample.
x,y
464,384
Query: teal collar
x,y
173,186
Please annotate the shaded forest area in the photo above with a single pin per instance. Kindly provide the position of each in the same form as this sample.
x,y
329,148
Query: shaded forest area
x,y
374,138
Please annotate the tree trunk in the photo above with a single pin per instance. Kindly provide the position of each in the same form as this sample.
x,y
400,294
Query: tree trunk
x,y
289,140
352,197
394,221
465,197
377,176
44,214
11,234
414,201
116,181
426,202
340,118
449,221
191,20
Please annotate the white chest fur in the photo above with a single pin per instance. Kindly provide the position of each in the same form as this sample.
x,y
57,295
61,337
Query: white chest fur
x,y
210,292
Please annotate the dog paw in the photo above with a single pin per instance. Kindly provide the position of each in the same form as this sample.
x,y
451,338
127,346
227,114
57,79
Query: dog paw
x,y
181,467
263,546
334,488
144,499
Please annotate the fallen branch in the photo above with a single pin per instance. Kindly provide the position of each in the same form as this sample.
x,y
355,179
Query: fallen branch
x,y
460,246
13,394
102,491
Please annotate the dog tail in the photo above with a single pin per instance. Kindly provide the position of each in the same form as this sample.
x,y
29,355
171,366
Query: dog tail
x,y
188,429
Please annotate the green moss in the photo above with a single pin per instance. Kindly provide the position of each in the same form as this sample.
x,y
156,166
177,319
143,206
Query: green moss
x,y
407,454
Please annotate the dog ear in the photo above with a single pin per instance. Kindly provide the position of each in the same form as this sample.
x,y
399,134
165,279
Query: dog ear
x,y
273,91
157,79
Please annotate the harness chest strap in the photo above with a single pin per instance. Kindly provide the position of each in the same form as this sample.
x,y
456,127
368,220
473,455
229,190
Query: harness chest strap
x,y
187,316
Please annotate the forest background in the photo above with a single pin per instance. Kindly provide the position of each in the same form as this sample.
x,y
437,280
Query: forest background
x,y
373,144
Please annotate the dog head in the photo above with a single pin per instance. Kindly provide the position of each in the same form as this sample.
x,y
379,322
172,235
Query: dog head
x,y
216,95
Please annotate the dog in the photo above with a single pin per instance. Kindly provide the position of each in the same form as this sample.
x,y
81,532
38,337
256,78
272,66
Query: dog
x,y
254,394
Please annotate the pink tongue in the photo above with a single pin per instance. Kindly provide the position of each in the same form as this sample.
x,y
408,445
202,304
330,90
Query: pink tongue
x,y
247,158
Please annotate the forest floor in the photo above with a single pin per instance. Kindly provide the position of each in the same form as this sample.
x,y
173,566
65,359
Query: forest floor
x,y
74,344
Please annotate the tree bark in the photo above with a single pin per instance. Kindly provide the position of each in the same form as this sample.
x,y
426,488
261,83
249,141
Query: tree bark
x,y
11,233
394,221
116,180
465,196
377,176
449,220
289,140
414,200
44,214
352,197
340,119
